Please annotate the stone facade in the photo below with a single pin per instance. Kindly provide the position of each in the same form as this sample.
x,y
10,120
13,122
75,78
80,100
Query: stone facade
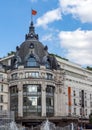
x,y
3,89
38,85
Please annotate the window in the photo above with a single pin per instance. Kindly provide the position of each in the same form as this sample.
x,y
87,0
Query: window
x,y
80,111
32,99
49,100
1,107
74,102
15,63
47,65
1,77
31,62
14,90
1,98
80,102
74,94
1,87
75,111
85,103
90,96
32,74
14,76
32,88
49,76
14,99
85,95
86,112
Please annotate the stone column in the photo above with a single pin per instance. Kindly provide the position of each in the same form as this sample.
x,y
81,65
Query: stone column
x,y
20,100
59,101
43,100
55,102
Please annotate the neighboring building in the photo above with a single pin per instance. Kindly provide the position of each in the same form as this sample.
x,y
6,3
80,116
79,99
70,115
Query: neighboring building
x,y
4,93
43,86
77,89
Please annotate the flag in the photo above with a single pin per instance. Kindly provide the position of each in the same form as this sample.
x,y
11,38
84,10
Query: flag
x,y
34,12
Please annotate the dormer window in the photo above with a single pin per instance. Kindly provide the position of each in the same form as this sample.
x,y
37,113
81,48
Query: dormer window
x,y
47,64
31,62
15,63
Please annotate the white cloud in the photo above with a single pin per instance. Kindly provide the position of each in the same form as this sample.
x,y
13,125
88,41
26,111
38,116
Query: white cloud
x,y
78,45
48,37
49,17
80,9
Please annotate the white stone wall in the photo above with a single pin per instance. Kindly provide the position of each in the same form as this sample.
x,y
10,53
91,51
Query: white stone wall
x,y
4,91
78,79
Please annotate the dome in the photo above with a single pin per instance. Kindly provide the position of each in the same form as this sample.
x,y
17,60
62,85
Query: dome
x,y
32,50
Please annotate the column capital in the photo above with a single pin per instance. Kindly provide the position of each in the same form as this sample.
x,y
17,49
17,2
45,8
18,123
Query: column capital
x,y
20,87
43,87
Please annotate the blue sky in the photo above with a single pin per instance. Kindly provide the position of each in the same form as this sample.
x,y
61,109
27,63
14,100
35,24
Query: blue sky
x,y
65,26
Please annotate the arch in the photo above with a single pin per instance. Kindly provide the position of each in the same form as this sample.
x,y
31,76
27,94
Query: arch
x,y
32,62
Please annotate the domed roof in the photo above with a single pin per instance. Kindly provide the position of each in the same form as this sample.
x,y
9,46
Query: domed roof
x,y
32,47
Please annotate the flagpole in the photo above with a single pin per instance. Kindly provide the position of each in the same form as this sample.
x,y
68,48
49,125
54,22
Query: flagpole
x,y
31,16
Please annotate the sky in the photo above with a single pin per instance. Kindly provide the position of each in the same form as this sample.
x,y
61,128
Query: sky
x,y
65,26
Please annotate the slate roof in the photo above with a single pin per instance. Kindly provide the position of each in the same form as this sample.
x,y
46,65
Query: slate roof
x,y
32,46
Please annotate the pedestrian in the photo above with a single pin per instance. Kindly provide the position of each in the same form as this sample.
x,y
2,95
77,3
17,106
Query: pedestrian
x,y
78,128
81,128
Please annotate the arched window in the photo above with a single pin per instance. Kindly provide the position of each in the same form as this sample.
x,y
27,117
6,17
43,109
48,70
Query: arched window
x,y
47,65
32,62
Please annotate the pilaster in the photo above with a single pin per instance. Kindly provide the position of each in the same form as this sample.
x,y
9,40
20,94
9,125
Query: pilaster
x,y
55,102
43,91
20,100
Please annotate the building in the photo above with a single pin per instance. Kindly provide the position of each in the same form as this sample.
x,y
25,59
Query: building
x,y
40,85
3,89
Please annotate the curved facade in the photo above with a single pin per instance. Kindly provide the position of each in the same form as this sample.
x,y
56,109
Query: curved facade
x,y
32,82
40,85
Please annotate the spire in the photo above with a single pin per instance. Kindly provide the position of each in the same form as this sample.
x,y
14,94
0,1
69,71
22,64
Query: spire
x,y
31,34
31,28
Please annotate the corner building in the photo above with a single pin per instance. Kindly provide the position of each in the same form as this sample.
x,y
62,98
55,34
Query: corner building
x,y
32,80
41,85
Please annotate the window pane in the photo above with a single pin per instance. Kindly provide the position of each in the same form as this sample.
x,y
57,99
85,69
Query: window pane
x,y
32,62
32,100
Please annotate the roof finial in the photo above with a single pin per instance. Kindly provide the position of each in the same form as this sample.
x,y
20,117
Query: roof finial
x,y
31,33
